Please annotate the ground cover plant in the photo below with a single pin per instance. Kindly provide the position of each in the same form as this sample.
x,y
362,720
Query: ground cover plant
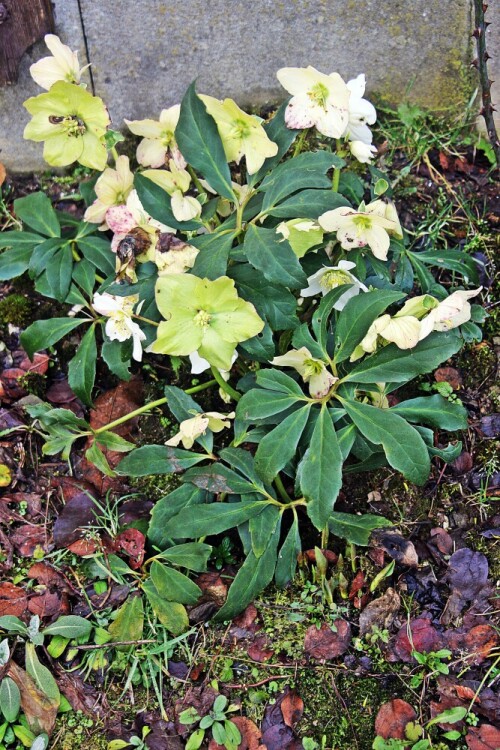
x,y
270,256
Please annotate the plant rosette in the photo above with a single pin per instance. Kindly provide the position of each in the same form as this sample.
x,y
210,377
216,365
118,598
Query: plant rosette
x,y
240,252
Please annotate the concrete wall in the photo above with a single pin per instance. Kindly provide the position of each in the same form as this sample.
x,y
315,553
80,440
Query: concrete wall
x,y
145,53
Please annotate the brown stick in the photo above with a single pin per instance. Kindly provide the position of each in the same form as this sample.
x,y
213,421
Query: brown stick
x,y
481,64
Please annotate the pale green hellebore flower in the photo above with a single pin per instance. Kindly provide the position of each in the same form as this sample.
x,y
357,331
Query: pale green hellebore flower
x,y
63,65
191,429
72,123
112,189
241,134
302,234
203,316
452,312
158,139
310,369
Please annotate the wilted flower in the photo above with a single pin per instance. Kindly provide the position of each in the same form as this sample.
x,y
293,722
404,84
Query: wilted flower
x,y
403,331
203,316
452,312
317,99
112,189
175,182
158,139
123,219
302,234
62,66
191,429
241,134
330,277
173,255
311,370
120,326
72,123
360,228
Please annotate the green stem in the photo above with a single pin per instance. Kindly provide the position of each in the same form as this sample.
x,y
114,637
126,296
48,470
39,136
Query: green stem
x,y
225,386
152,405
195,179
324,537
336,179
281,490
300,142
145,320
114,153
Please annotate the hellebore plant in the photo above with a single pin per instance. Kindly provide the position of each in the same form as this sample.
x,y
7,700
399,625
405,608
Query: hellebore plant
x,y
285,272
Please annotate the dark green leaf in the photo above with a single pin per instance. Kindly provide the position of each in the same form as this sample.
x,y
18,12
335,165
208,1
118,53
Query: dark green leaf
x,y
43,254
98,251
15,261
41,675
157,203
20,239
243,461
211,261
253,576
394,365
404,448
81,370
302,337
272,301
212,519
287,556
58,273
158,459
174,586
218,478
453,260
304,171
116,354
275,380
278,447
308,204
260,348
356,529
84,276
275,259
200,144
95,455
185,496
322,314
261,528
435,411
193,555
356,318
36,211
44,333
320,471
258,404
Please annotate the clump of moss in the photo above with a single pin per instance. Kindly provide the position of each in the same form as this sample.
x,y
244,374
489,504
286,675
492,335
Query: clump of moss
x,y
16,310
34,383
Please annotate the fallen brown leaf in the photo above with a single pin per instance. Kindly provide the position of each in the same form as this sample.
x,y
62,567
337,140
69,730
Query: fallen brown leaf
x,y
132,541
475,645
3,173
399,549
442,540
485,737
40,711
13,600
380,612
324,643
27,538
292,708
449,375
419,636
250,735
393,718
260,650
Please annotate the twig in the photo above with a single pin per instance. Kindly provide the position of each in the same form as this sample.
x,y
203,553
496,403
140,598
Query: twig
x,y
481,64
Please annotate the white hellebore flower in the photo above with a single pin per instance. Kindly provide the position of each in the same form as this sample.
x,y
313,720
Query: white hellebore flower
x,y
158,139
191,429
363,152
112,189
317,99
361,111
311,370
63,66
450,313
120,326
330,277
361,228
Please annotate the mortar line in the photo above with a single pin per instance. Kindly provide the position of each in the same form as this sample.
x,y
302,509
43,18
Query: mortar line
x,y
85,41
